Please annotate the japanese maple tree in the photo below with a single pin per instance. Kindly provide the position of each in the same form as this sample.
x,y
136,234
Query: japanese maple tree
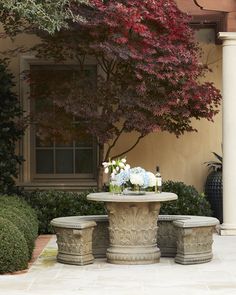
x,y
149,71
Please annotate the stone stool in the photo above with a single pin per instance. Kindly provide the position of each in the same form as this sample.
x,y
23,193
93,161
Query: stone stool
x,y
74,240
194,239
100,238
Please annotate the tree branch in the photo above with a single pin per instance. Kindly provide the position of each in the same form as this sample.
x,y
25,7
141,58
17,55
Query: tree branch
x,y
129,149
101,64
81,60
113,65
113,144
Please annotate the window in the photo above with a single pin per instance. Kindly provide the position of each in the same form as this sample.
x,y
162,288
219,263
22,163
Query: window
x,y
71,158
211,23
205,35
62,149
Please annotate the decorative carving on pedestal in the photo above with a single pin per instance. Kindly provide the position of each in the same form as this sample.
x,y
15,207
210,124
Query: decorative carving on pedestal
x,y
166,238
100,239
133,233
74,245
194,245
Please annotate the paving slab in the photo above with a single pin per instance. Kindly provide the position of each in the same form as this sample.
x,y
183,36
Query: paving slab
x,y
47,276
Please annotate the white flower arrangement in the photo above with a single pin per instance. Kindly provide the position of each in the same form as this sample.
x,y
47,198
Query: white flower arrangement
x,y
124,177
115,166
136,178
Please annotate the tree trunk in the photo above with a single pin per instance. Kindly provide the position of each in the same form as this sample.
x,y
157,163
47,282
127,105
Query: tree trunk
x,y
100,167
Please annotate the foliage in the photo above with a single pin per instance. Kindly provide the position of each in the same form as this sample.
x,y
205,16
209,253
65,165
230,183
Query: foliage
x,y
19,220
189,202
49,16
16,204
13,248
52,204
148,78
12,129
215,166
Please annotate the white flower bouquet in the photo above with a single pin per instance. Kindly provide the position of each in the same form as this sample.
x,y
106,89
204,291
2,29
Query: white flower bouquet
x,y
126,179
135,179
114,167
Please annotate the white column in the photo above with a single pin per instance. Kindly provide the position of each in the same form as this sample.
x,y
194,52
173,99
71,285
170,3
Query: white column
x,y
229,133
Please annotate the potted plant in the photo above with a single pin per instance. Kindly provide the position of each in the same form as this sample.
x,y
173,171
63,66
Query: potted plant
x,y
214,187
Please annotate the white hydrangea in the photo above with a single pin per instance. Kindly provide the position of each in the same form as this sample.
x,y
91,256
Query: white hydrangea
x,y
136,179
151,179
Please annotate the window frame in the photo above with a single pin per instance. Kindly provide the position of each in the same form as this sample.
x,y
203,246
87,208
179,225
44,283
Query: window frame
x,y
28,145
216,21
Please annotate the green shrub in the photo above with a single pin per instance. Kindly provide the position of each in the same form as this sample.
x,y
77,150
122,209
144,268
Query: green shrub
x,y
17,211
18,218
13,248
15,202
189,202
12,129
52,204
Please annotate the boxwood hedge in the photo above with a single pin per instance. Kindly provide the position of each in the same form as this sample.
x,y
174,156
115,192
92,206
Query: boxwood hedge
x,y
51,204
190,201
19,220
15,202
13,248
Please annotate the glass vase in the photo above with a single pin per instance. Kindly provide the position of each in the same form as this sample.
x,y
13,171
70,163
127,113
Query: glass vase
x,y
114,187
135,190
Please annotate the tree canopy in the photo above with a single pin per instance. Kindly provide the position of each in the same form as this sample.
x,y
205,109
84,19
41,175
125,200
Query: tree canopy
x,y
50,16
149,70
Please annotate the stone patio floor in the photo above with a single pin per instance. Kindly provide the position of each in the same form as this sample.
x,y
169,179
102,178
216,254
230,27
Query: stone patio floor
x,y
47,277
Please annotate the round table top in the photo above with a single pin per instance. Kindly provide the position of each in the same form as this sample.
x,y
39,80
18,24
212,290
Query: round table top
x,y
123,198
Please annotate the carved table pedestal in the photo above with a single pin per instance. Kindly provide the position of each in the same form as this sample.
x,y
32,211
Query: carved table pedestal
x,y
133,226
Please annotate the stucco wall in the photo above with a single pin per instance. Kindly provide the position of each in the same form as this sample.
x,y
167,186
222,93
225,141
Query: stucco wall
x,y
181,158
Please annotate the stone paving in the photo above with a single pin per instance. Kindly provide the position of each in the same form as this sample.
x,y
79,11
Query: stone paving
x,y
48,277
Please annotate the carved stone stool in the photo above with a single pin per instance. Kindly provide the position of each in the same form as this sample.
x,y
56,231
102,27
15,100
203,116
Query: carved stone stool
x,y
194,239
100,238
74,240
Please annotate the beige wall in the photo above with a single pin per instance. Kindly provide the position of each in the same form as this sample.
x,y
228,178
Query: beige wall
x,y
181,158
19,46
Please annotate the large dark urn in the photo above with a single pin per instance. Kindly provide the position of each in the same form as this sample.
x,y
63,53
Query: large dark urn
x,y
214,193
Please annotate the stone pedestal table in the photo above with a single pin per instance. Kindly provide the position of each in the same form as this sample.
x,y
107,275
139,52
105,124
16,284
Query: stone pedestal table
x,y
133,226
